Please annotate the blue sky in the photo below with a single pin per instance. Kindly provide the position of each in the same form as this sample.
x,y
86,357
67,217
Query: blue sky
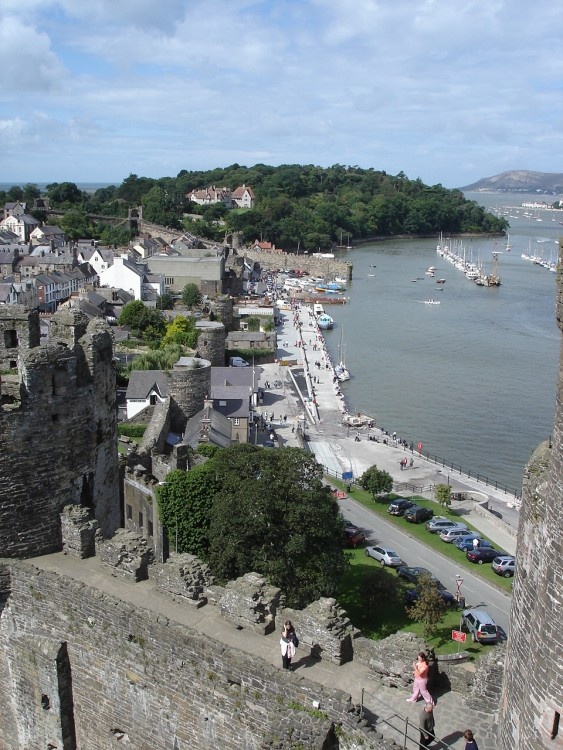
x,y
448,92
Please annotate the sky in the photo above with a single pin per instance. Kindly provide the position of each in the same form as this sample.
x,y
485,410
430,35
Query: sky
x,y
443,91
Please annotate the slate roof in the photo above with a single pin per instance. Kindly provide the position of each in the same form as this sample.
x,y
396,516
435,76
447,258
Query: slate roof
x,y
234,376
142,382
209,426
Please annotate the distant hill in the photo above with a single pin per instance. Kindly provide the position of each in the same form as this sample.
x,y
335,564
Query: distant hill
x,y
520,181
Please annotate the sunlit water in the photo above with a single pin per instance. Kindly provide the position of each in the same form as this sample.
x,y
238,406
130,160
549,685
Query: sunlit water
x,y
473,378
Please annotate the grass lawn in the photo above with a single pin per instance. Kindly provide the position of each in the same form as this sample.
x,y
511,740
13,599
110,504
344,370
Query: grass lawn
x,y
418,531
392,616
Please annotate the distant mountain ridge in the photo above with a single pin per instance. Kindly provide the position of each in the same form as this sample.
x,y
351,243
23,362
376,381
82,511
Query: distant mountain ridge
x,y
520,181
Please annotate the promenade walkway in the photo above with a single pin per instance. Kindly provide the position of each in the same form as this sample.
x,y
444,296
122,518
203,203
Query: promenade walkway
x,y
312,402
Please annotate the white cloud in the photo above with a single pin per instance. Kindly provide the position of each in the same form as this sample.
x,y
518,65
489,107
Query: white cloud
x,y
445,92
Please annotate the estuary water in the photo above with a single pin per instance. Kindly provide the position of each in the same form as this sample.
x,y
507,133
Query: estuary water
x,y
474,377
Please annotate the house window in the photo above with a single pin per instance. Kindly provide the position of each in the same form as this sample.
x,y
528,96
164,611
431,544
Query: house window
x,y
152,399
129,512
236,421
141,520
169,280
151,529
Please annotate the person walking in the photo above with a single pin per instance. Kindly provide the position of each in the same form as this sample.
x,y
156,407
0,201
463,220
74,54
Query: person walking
x,y
288,644
470,743
420,686
426,720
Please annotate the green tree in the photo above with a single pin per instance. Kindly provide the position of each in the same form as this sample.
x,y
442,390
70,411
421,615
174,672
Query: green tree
x,y
253,323
429,606
273,515
377,481
184,504
443,495
63,193
378,588
191,295
166,302
181,330
76,225
143,320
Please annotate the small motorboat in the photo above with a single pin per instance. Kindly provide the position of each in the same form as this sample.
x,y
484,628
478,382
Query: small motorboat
x,y
440,281
431,302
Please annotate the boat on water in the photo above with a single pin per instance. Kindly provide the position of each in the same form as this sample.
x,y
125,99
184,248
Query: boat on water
x,y
318,309
341,371
325,322
431,302
440,281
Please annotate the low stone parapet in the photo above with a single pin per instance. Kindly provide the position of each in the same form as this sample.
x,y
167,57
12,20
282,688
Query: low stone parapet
x,y
78,529
390,659
325,627
127,554
184,576
250,602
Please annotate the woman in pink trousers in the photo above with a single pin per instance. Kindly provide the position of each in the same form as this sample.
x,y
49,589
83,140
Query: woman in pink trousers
x,y
420,687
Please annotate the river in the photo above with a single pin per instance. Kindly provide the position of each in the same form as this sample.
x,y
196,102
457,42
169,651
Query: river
x,y
474,377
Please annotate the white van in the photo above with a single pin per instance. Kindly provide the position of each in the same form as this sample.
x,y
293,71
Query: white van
x,y
238,362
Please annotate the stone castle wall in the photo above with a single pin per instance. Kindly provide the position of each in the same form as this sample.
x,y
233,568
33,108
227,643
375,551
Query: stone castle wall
x,y
59,445
322,267
19,331
531,709
211,342
88,671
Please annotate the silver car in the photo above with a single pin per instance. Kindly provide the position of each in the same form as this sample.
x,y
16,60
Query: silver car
x,y
450,535
385,556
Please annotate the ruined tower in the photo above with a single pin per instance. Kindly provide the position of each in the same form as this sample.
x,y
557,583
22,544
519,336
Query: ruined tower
x,y
531,710
58,437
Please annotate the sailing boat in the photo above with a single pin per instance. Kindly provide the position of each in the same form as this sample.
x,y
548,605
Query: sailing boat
x,y
341,371
507,245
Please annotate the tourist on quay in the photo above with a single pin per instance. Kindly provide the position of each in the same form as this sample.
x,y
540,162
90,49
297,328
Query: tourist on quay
x,y
411,464
426,720
420,686
288,644
470,743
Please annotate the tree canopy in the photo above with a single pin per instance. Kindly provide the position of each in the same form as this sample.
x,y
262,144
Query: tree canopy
x,y
443,495
295,205
376,481
262,510
191,295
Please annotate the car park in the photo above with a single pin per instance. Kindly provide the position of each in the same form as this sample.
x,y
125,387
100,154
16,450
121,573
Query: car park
x,y
398,507
353,536
417,514
439,523
482,554
481,626
504,565
466,544
450,535
384,555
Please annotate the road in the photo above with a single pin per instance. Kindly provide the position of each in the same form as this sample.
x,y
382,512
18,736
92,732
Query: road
x,y
477,591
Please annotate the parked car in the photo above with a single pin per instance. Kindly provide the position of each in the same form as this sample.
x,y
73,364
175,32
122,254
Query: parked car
x,y
466,544
398,507
411,595
353,536
480,625
385,556
450,535
504,565
482,554
439,524
417,514
413,574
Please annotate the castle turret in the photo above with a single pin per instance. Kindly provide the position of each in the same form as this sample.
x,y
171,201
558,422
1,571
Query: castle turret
x,y
189,385
531,710
211,341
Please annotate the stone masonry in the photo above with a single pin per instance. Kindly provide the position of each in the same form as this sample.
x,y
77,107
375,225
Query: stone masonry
x,y
531,708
